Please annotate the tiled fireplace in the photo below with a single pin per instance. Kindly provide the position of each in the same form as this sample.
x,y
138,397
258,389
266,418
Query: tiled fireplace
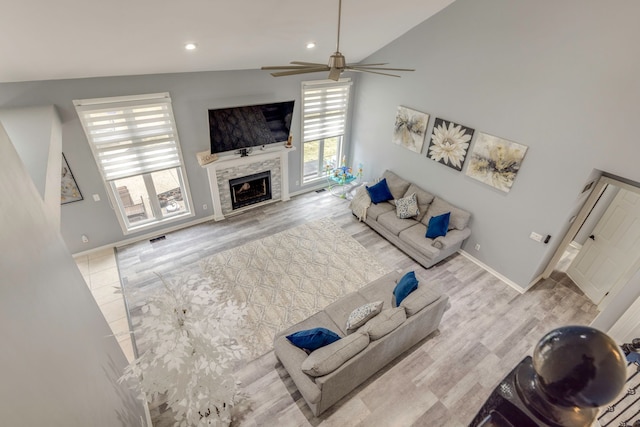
x,y
229,174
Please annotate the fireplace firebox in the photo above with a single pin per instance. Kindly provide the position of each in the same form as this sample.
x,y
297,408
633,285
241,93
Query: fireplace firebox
x,y
250,189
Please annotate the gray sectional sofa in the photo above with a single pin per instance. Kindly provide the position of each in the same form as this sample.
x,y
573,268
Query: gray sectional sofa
x,y
328,374
409,234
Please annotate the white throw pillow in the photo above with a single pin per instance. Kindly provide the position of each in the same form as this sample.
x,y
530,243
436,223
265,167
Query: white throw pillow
x,y
360,315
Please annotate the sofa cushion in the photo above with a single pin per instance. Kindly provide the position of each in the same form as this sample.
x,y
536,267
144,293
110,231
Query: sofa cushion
x,y
393,224
384,323
374,211
407,207
339,311
407,284
382,292
414,237
379,192
313,339
419,299
424,199
438,226
292,358
329,358
397,185
459,218
360,315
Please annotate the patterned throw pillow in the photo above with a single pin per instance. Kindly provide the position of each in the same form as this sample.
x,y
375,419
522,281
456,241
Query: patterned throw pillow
x,y
407,207
360,315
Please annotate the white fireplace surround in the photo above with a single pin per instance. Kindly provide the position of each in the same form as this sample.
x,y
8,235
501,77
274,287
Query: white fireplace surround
x,y
232,166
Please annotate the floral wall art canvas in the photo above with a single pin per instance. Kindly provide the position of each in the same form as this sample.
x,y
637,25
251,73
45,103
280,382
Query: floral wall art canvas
x,y
69,191
410,128
449,143
495,161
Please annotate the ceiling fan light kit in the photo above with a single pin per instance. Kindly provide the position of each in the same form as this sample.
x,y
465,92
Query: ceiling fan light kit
x,y
336,66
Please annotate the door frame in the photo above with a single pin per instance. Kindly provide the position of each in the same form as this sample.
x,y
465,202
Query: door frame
x,y
579,220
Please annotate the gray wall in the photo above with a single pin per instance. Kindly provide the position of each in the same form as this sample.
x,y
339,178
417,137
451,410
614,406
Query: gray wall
x,y
192,95
559,77
60,364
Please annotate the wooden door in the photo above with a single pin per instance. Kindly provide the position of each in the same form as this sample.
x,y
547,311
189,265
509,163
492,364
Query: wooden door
x,y
609,255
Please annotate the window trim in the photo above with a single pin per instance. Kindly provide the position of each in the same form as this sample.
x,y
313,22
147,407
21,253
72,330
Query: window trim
x,y
97,104
345,83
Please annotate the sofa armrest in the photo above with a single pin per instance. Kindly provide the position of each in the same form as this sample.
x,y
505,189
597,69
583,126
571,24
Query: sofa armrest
x,y
291,358
453,238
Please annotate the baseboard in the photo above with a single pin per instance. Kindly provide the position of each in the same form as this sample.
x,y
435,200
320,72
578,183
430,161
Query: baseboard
x,y
509,282
146,236
180,226
322,184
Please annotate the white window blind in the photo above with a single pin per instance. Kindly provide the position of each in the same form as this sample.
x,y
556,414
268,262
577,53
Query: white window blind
x,y
130,135
324,109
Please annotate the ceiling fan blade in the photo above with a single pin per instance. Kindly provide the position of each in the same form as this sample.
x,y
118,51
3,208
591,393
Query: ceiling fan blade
x,y
366,67
315,64
299,71
362,70
336,65
293,67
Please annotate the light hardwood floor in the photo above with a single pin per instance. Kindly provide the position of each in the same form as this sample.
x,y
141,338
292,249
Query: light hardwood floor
x,y
442,381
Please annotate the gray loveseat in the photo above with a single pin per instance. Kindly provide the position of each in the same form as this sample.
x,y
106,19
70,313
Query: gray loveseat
x,y
328,374
408,234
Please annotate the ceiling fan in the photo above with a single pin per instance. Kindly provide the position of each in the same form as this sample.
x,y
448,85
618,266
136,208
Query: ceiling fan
x,y
337,63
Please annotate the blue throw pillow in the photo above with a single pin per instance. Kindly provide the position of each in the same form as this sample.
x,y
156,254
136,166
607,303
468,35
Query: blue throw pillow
x,y
405,286
438,226
379,192
313,339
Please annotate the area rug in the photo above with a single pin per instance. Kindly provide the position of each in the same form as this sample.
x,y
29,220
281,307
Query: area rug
x,y
286,277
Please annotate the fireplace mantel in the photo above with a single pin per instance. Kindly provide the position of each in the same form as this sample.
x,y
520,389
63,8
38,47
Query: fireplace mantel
x,y
233,161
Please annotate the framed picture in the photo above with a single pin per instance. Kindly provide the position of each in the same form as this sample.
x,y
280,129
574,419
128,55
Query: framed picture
x,y
495,161
449,143
410,128
69,188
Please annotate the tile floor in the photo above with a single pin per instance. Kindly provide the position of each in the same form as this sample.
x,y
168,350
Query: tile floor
x,y
100,272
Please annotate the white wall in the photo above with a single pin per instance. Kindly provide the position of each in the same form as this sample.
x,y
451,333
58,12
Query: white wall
x,y
559,77
39,133
59,364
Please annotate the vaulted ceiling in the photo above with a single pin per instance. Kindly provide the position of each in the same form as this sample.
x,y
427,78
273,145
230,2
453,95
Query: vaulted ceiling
x,y
43,40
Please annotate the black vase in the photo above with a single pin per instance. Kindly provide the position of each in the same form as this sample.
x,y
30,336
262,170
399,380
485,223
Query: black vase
x,y
574,371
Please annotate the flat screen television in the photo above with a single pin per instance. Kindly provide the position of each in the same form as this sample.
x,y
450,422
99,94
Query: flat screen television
x,y
248,126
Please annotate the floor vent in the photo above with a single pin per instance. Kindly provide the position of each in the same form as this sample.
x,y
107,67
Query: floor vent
x,y
157,239
321,190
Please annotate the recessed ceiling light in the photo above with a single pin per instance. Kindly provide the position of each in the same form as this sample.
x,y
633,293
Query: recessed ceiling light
x,y
190,46
311,45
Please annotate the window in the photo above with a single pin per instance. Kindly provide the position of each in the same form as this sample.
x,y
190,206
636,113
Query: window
x,y
135,144
324,116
